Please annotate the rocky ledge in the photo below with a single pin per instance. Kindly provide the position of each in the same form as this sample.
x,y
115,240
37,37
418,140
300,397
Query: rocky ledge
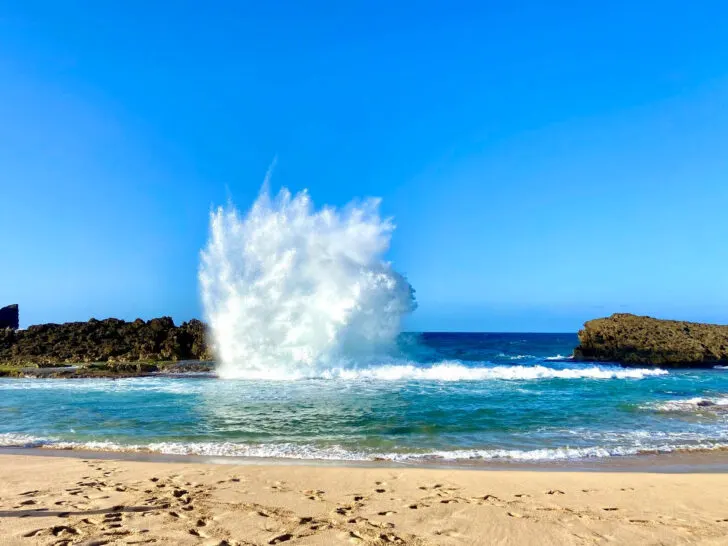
x,y
646,341
110,341
10,317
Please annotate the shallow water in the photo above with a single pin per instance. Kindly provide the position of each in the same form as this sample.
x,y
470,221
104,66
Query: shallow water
x,y
443,396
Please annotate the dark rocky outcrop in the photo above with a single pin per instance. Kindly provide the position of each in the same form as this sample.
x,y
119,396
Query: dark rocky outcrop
x,y
10,317
634,340
110,340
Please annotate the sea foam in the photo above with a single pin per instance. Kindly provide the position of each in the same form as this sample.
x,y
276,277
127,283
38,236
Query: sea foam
x,y
454,371
287,450
695,404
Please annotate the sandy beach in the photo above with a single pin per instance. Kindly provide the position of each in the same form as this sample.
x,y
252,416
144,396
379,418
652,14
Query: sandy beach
x,y
65,500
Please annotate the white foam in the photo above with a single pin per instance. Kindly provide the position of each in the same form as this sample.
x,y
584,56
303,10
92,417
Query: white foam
x,y
696,404
339,453
454,371
10,439
288,289
517,357
392,370
559,357
131,384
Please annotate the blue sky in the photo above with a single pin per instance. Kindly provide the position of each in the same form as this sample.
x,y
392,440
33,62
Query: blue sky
x,y
545,162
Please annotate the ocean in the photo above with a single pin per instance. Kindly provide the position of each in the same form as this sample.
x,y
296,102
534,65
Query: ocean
x,y
442,397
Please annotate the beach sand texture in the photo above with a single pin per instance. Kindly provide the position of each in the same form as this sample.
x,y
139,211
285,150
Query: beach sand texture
x,y
63,501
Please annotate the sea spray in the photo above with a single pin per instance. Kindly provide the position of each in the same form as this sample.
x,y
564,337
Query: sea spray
x,y
289,290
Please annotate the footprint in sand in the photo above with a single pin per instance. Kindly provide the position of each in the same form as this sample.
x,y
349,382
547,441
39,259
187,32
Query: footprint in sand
x,y
380,524
64,530
452,533
30,493
555,492
430,487
233,480
279,487
393,539
487,498
314,494
344,510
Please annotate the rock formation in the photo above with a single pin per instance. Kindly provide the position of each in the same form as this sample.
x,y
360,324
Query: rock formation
x,y
634,340
109,340
10,317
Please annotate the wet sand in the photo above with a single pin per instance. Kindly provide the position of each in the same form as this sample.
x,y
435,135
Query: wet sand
x,y
71,500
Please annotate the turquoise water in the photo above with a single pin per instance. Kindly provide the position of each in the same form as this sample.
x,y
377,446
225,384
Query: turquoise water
x,y
444,397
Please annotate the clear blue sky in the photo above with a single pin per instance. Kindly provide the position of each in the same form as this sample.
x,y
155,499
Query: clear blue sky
x,y
545,162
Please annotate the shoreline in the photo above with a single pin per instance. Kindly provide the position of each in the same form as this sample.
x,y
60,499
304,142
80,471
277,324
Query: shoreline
x,y
677,462
48,500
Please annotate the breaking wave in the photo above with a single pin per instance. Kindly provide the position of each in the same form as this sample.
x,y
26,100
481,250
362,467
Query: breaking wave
x,y
339,453
289,290
393,370
454,371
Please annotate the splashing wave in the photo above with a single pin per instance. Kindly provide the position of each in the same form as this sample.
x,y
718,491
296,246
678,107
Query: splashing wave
x,y
288,289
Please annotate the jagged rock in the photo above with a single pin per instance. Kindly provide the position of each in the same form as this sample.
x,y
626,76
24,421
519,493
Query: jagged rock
x,y
10,317
634,340
110,340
